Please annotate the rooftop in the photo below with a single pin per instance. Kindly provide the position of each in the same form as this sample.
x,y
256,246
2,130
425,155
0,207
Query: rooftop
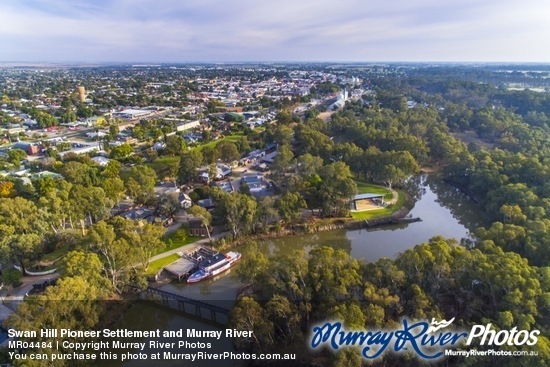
x,y
367,196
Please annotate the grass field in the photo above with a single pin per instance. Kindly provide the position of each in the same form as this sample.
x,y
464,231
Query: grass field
x,y
232,138
156,265
160,165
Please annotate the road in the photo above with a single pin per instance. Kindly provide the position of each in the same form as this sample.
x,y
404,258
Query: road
x,y
17,295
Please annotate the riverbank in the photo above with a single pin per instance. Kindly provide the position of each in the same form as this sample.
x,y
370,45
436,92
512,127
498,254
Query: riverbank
x,y
310,225
327,224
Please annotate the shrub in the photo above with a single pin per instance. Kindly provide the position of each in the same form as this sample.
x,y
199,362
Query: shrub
x,y
12,277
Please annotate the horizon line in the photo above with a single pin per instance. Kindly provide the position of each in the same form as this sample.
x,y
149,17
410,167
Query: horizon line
x,y
163,63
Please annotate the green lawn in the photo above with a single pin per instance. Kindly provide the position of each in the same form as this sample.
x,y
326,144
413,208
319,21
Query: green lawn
x,y
161,162
156,265
172,242
373,213
160,165
363,188
232,138
384,212
51,256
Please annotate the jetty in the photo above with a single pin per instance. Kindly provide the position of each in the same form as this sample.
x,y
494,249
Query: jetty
x,y
187,305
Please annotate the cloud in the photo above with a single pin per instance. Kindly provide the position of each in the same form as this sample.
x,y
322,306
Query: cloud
x,y
221,30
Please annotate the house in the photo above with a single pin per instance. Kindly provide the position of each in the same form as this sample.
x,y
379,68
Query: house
x,y
206,203
222,171
30,123
137,213
224,186
230,109
205,177
190,140
270,158
102,161
95,121
262,167
196,228
81,149
29,148
255,154
163,219
185,201
42,174
270,148
14,129
256,183
159,146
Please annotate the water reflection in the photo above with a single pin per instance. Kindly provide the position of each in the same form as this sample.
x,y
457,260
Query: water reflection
x,y
306,242
415,187
461,206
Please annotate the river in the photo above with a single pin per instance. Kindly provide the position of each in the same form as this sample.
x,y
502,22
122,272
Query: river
x,y
444,210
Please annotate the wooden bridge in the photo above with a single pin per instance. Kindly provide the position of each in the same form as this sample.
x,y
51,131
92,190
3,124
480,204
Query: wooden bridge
x,y
170,299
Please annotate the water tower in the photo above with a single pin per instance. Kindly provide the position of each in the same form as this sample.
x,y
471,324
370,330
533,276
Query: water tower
x,y
81,94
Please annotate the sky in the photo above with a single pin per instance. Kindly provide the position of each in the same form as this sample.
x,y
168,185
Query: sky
x,y
170,31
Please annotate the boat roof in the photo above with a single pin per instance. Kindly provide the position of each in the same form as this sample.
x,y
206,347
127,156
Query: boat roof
x,y
211,260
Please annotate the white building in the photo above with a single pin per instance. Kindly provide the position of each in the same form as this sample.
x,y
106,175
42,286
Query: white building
x,y
93,135
82,149
131,114
159,146
102,161
187,125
